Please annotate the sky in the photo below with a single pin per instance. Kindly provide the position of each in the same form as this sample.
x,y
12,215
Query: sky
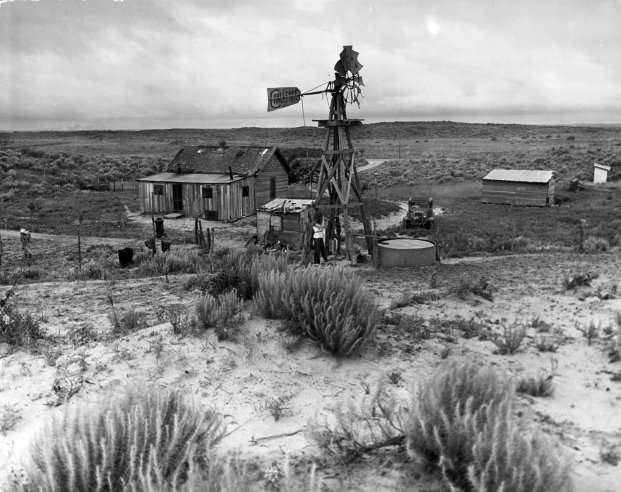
x,y
139,64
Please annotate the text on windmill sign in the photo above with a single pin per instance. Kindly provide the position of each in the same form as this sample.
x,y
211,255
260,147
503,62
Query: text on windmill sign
x,y
280,97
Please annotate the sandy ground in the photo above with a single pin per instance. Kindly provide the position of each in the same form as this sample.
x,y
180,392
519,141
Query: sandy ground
x,y
243,378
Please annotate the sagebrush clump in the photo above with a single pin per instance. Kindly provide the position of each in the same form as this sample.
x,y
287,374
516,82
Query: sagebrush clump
x,y
18,329
223,313
240,270
142,440
329,306
462,422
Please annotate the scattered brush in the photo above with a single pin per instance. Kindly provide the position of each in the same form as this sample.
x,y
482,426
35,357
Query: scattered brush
x,y
590,331
511,339
173,261
142,440
18,329
182,322
240,270
537,386
409,299
582,279
355,429
480,288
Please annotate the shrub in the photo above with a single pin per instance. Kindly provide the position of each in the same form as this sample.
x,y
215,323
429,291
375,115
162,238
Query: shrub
x,y
201,281
542,385
174,261
581,279
329,306
462,422
511,338
480,288
139,441
16,328
357,428
241,269
223,313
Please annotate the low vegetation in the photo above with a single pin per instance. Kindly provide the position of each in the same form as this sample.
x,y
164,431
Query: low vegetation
x,y
142,440
329,306
18,330
458,418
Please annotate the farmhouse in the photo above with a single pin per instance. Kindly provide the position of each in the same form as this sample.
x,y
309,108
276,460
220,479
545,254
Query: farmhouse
x,y
519,187
216,182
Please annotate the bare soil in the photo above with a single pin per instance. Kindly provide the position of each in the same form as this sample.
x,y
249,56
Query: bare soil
x,y
243,378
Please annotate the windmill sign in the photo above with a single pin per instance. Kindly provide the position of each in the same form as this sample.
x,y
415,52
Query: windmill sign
x,y
281,97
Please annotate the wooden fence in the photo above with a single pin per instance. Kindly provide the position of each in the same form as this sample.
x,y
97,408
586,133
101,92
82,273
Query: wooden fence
x,y
123,186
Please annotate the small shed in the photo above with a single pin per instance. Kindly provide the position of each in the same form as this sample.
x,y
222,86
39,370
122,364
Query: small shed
x,y
216,182
285,218
519,187
600,173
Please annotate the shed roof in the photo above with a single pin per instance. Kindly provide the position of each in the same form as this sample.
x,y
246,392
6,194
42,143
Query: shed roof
x,y
213,178
603,167
286,205
520,175
218,159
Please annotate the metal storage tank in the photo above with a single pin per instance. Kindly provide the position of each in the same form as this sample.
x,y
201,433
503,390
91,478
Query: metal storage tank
x,y
405,252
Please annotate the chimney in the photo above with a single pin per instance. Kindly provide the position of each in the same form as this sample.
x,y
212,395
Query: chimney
x,y
231,173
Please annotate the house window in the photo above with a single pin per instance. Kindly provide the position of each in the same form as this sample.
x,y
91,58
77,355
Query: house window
x,y
158,189
208,192
245,190
272,188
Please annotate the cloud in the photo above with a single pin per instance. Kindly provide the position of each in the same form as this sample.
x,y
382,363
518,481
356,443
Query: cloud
x,y
159,63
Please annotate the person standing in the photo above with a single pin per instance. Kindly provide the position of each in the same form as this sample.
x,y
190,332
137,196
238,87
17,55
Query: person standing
x,y
319,248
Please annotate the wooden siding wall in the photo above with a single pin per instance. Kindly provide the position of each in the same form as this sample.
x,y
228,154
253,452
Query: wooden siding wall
x,y
289,228
262,186
227,199
506,192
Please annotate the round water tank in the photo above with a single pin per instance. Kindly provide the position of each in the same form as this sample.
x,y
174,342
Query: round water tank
x,y
400,252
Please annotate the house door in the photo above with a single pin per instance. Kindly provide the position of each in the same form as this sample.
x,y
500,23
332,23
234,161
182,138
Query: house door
x,y
177,192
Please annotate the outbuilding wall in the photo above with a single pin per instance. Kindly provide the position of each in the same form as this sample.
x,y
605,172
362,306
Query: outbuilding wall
x,y
518,193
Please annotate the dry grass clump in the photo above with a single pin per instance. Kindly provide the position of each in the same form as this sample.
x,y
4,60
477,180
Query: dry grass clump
x,y
462,423
541,385
223,313
511,339
173,261
357,428
240,270
142,440
18,329
329,306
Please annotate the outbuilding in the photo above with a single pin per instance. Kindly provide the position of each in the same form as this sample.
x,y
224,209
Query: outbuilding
x,y
284,219
519,187
600,173
216,182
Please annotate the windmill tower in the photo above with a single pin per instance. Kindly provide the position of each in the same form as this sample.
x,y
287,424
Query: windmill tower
x,y
338,188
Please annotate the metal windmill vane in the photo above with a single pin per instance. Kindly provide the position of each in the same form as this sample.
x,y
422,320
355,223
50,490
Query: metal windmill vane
x,y
338,187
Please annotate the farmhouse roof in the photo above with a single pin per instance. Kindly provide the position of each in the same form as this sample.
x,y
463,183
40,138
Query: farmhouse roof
x,y
218,159
520,175
286,205
191,178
